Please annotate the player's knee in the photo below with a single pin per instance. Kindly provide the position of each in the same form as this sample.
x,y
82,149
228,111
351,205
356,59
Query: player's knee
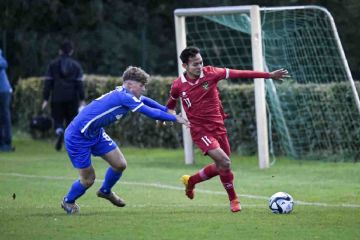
x,y
224,164
88,181
120,167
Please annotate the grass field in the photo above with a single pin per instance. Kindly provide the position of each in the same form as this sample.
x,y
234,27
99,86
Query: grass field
x,y
327,197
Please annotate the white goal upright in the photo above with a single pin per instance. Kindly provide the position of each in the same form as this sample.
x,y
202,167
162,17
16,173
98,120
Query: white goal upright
x,y
306,113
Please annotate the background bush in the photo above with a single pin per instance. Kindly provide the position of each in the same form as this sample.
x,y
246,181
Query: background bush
x,y
238,100
135,129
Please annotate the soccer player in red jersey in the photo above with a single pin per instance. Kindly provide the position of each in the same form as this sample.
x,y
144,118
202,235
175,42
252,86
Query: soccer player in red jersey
x,y
197,89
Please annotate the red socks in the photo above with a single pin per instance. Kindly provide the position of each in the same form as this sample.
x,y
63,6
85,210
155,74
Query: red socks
x,y
227,177
204,174
210,171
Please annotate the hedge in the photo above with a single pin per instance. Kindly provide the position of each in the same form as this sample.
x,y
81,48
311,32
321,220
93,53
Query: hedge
x,y
140,131
134,130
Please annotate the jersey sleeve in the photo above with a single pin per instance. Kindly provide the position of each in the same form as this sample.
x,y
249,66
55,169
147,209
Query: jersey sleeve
x,y
153,104
49,83
156,114
233,73
79,83
174,95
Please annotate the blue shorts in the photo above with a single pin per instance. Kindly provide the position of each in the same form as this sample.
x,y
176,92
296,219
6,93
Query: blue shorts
x,y
80,148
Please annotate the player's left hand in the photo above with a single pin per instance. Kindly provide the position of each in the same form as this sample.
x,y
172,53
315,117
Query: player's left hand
x,y
279,74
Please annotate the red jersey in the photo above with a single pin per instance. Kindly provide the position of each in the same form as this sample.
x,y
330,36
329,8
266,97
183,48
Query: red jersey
x,y
200,97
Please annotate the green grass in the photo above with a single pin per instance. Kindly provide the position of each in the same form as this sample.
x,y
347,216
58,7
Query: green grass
x,y
156,205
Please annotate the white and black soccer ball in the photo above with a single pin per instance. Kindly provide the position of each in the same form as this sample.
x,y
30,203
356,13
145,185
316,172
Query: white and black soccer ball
x,y
281,203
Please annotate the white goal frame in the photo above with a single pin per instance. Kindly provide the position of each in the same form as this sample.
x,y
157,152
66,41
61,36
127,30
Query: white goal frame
x,y
257,57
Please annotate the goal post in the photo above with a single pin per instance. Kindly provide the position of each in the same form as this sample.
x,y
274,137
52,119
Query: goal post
x,y
260,97
313,115
181,45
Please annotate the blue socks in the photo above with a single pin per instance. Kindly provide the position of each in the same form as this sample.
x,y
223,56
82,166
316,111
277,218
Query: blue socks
x,y
76,191
111,177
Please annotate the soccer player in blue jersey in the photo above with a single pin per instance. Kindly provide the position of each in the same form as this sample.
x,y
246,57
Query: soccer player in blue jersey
x,y
85,135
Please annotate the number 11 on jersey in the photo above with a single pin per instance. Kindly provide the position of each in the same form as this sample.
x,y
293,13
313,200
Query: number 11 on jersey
x,y
187,101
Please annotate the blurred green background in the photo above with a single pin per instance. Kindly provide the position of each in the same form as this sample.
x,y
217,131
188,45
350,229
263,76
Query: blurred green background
x,y
110,35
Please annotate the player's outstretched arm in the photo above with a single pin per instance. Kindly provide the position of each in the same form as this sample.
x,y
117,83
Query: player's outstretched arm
x,y
279,74
160,115
153,104
276,75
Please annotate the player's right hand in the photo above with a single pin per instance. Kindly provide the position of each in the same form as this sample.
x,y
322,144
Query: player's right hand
x,y
279,74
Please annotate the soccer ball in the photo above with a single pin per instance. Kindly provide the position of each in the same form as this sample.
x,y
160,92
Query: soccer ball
x,y
281,203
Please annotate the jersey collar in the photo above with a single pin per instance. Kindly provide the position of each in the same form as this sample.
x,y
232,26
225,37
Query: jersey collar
x,y
183,78
120,88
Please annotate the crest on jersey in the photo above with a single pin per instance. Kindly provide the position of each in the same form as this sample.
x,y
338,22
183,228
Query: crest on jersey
x,y
205,85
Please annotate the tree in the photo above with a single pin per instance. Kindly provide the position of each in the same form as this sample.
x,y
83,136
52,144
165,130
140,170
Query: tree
x,y
109,35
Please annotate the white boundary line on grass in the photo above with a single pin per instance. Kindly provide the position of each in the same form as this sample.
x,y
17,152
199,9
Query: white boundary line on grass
x,y
163,186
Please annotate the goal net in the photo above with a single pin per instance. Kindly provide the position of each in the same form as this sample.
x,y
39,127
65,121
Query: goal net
x,y
315,114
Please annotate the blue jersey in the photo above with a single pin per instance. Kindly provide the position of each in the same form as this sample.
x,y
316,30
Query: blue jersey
x,y
111,107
